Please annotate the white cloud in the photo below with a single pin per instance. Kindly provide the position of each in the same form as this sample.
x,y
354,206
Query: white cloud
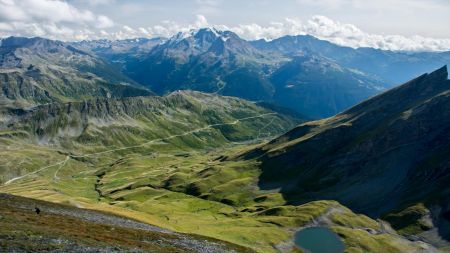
x,y
166,29
54,19
340,33
6,27
201,21
43,10
128,29
104,22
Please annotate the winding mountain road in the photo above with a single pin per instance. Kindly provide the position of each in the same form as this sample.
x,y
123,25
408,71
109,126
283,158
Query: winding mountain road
x,y
63,162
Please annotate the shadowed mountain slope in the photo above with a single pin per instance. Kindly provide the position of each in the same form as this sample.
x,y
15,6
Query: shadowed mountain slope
x,y
389,152
221,62
320,87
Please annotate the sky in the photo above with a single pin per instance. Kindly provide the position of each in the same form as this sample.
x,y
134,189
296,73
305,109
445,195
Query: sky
x,y
415,25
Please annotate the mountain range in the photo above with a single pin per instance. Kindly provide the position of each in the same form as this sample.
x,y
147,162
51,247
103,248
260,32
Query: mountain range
x,y
221,144
392,67
36,71
221,62
296,72
292,71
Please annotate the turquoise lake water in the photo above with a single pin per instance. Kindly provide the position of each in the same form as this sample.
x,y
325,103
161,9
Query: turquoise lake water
x,y
319,240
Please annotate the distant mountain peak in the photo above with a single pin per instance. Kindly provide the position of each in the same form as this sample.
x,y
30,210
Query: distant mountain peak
x,y
27,42
208,30
197,31
209,34
207,40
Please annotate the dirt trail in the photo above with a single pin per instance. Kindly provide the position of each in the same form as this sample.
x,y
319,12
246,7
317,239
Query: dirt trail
x,y
63,162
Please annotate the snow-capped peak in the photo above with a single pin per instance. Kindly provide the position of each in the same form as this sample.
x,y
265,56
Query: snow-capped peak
x,y
193,32
215,31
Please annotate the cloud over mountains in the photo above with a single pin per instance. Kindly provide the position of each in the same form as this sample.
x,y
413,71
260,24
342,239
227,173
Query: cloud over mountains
x,y
61,20
342,34
54,19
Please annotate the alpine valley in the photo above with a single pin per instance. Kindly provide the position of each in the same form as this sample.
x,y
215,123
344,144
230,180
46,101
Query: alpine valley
x,y
206,142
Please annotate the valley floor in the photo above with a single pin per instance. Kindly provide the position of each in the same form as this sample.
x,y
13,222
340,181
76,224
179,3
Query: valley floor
x,y
195,191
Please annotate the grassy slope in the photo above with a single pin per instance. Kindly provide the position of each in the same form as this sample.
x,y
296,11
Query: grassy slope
x,y
197,193
181,121
54,229
181,183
